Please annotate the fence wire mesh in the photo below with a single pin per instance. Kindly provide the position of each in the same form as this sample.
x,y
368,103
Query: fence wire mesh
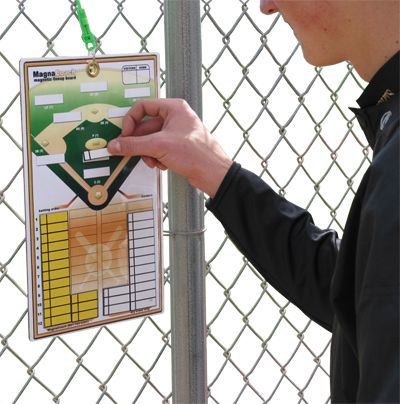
x,y
277,116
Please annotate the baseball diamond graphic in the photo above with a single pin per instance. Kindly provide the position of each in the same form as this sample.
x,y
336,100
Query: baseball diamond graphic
x,y
85,165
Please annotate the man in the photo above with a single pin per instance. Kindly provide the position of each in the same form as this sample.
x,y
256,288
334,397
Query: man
x,y
350,287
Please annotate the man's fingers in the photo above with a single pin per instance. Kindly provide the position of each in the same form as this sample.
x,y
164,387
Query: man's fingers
x,y
131,146
134,146
150,162
135,115
159,108
128,125
146,127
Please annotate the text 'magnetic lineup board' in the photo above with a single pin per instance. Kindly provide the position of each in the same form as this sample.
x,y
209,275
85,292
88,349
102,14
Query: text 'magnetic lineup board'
x,y
93,220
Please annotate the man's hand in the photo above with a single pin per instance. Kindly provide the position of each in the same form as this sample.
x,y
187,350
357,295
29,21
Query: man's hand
x,y
173,138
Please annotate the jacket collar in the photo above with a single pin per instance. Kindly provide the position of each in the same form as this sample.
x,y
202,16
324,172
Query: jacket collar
x,y
379,103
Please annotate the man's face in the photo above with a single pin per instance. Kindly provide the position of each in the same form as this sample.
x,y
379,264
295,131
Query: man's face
x,y
319,26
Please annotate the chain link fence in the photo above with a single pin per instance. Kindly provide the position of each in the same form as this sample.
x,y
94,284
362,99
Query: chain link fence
x,y
273,113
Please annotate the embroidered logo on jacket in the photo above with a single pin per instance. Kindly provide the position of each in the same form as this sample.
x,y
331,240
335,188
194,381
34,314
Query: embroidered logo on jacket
x,y
386,96
385,119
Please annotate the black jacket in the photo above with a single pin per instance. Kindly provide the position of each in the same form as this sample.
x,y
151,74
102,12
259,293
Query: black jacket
x,y
348,286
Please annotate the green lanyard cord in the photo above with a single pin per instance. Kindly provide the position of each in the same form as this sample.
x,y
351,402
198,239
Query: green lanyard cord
x,y
87,36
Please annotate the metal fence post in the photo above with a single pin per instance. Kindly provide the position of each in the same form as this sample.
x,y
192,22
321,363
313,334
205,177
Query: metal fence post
x,y
186,215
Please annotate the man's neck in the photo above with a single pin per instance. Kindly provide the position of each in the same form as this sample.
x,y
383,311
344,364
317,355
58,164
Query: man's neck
x,y
378,41
368,65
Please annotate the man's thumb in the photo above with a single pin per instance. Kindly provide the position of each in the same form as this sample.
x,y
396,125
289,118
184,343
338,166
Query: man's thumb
x,y
114,146
129,146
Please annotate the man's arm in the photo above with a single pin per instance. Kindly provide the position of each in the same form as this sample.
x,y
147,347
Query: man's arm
x,y
279,238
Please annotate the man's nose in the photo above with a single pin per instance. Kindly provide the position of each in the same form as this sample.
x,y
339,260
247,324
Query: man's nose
x,y
268,6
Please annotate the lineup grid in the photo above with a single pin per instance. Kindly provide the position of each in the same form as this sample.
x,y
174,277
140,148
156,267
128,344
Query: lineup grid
x,y
109,254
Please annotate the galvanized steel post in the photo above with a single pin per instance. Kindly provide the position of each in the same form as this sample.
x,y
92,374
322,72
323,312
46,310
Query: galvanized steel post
x,y
186,215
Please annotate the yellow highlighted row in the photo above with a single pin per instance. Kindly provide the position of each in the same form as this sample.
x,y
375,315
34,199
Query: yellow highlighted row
x,y
56,255
54,217
58,306
51,321
63,305
57,311
85,315
59,301
57,283
66,318
47,322
56,274
53,228
47,294
91,304
55,246
84,296
64,263
52,237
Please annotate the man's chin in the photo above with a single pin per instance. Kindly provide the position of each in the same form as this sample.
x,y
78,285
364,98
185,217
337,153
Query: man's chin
x,y
322,59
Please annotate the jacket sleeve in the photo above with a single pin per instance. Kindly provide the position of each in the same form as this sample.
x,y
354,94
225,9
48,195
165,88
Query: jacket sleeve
x,y
280,240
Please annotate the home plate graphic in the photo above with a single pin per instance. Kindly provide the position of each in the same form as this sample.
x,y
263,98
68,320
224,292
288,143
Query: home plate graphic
x,y
93,220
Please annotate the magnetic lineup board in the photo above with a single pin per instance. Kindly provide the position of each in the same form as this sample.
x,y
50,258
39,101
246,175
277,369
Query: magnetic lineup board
x,y
93,220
